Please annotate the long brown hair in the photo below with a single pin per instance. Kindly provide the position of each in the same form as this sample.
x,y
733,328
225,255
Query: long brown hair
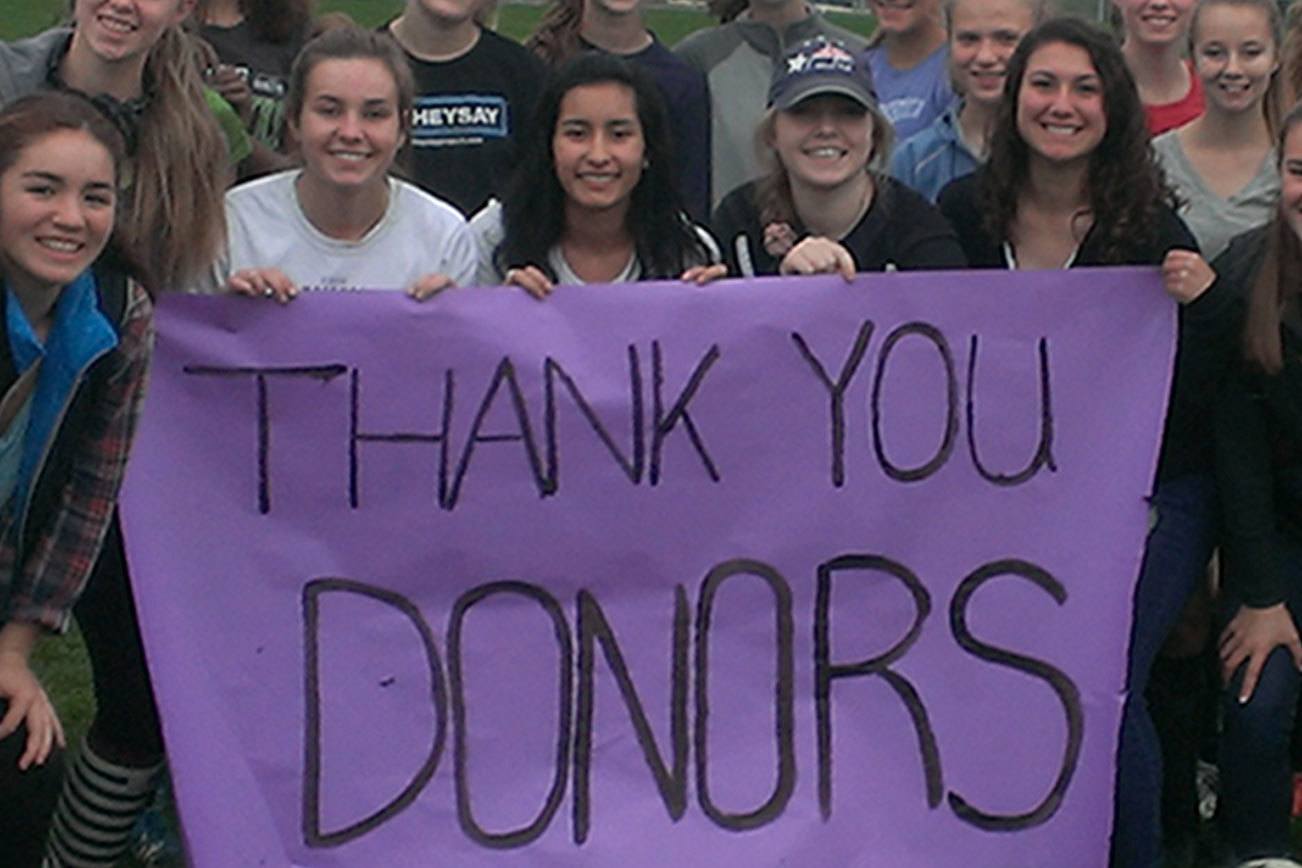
x,y
1126,187
557,38
175,221
1277,281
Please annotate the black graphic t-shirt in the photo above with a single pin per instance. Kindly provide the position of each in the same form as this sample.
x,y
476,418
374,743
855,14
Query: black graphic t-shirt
x,y
469,117
265,66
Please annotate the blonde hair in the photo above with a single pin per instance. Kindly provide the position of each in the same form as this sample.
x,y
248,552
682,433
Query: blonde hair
x,y
175,220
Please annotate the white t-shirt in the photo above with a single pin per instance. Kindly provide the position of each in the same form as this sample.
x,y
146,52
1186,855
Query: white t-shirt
x,y
418,235
486,227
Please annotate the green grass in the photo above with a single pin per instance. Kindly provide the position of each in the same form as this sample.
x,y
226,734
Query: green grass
x,y
24,17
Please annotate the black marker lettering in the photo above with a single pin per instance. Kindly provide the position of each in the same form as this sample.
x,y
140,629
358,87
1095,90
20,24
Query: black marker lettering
x,y
825,672
356,435
665,422
313,836
1043,452
593,628
922,471
784,697
505,373
633,464
1067,692
324,373
524,835
836,391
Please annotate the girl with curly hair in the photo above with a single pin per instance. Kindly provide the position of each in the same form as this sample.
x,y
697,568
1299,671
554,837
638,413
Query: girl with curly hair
x,y
1072,182
594,198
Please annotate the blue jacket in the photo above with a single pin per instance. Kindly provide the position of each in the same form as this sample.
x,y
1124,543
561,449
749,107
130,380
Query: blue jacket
x,y
932,158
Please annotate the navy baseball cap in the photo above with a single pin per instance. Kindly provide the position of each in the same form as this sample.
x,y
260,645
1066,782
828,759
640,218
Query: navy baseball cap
x,y
819,66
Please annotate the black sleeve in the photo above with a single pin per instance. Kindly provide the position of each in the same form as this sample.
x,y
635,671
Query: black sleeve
x,y
1245,477
741,239
691,123
928,241
1173,234
958,205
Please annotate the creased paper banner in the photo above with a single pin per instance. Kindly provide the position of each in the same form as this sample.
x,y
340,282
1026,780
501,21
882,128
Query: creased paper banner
x,y
765,573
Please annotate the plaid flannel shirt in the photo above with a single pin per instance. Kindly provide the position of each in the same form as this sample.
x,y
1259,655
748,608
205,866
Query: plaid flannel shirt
x,y
55,569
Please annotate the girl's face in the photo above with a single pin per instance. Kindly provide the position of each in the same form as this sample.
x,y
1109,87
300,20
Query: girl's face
x,y
1155,22
1235,55
1290,177
350,128
56,210
597,146
983,36
124,30
823,141
904,16
1060,111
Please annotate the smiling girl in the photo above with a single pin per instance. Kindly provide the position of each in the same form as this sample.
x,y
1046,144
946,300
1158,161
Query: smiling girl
x,y
133,59
982,36
594,199
1072,182
72,370
825,205
1223,163
342,222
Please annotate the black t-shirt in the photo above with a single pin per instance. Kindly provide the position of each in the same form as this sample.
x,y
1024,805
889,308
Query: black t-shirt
x,y
265,65
901,229
470,116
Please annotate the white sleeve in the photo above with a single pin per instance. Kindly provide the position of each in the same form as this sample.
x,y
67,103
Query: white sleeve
x,y
486,232
460,259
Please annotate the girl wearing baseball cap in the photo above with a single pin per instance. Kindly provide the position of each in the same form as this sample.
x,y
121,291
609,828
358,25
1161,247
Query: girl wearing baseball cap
x,y
825,205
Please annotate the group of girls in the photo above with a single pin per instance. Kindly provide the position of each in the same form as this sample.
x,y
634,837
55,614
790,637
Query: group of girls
x,y
1070,180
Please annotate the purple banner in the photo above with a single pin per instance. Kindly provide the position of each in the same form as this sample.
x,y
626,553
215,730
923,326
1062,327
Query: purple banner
x,y
767,573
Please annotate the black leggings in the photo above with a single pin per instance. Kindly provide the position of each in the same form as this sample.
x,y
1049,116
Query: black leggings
x,y
126,729
26,800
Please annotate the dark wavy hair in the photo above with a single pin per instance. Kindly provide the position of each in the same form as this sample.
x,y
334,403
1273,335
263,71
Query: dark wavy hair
x,y
533,205
1126,187
277,21
1276,284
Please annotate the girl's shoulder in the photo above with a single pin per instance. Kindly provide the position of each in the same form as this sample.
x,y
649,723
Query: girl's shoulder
x,y
414,202
25,63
